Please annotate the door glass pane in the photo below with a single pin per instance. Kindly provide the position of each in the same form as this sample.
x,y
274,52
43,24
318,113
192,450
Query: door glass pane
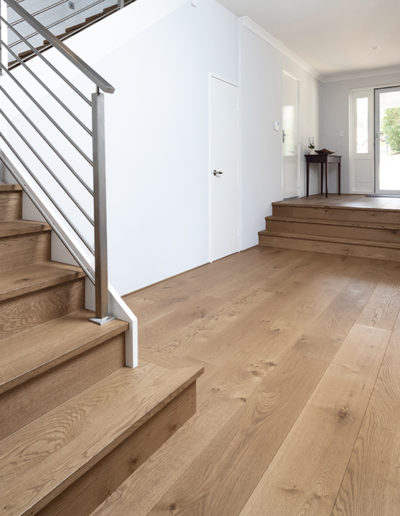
x,y
389,140
362,125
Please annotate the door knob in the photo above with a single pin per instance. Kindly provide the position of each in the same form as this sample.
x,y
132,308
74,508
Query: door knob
x,y
217,173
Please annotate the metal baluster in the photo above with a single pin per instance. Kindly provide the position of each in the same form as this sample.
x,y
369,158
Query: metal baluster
x,y
121,3
100,209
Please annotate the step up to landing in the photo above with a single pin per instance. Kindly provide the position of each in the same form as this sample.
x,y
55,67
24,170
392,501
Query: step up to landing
x,y
67,461
346,225
74,421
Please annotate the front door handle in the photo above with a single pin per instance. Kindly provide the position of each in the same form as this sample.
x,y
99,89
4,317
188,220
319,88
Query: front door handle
x,y
217,173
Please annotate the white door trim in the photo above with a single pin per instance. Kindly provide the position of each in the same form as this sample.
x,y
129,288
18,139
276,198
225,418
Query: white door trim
x,y
221,78
298,186
376,132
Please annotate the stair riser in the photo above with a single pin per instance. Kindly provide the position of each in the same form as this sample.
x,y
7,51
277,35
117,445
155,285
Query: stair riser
x,y
354,233
95,485
377,253
21,250
21,313
10,205
35,397
349,215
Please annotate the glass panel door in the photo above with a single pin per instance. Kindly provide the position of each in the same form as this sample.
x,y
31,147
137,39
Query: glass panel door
x,y
387,140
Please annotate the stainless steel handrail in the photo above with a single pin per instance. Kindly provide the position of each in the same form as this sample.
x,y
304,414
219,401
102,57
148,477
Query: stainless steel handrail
x,y
46,140
84,68
58,22
41,11
46,166
48,63
97,162
45,190
45,87
49,117
45,214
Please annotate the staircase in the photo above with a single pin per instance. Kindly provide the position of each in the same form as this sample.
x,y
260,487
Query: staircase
x,y
78,414
68,32
74,422
336,229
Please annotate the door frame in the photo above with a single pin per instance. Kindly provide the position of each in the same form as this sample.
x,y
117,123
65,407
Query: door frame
x,y
298,185
368,90
218,77
376,92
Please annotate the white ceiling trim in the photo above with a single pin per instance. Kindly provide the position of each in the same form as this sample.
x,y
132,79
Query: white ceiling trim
x,y
251,25
362,74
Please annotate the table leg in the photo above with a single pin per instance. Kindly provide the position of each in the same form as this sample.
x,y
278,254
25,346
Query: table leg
x,y
308,178
339,177
322,178
326,178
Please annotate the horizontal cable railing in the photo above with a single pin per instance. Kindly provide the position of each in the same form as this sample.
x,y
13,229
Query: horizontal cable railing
x,y
57,18
51,139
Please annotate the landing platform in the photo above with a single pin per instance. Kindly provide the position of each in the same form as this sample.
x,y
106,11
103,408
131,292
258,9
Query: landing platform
x,y
351,225
345,201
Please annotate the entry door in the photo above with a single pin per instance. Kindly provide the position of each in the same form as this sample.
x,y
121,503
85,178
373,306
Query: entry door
x,y
387,140
224,205
290,139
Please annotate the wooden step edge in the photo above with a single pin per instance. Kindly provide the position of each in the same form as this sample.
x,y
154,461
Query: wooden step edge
x,y
65,274
10,187
338,240
122,415
21,372
12,228
334,222
75,27
281,204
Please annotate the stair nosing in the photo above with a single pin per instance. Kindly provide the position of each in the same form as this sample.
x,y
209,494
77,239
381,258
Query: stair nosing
x,y
118,327
338,240
335,222
112,434
72,273
279,204
30,228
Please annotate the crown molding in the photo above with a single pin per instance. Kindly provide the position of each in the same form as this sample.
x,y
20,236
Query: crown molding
x,y
359,74
251,25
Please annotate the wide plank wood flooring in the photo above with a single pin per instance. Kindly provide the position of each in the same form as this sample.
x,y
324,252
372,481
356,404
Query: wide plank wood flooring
x,y
299,407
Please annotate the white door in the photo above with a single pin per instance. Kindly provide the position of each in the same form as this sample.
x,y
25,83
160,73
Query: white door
x,y
387,140
362,141
224,201
290,136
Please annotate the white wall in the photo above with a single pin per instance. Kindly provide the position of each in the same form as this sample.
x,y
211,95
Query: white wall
x,y
261,67
334,117
159,55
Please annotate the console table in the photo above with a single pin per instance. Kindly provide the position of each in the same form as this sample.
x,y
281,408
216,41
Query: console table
x,y
324,160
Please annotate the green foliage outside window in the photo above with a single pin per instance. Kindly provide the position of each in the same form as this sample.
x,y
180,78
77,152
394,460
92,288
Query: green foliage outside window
x,y
391,128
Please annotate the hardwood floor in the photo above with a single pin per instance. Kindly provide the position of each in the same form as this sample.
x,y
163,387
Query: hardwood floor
x,y
298,409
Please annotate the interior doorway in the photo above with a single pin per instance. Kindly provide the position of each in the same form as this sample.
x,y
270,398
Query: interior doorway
x,y
224,181
387,140
290,136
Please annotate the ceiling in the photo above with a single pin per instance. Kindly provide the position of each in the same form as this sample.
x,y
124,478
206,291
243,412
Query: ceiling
x,y
332,36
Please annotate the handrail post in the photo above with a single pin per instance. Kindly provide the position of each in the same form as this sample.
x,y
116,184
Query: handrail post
x,y
121,3
100,209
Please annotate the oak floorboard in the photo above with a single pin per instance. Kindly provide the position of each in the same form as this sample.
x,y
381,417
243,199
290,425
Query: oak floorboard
x,y
306,473
371,482
291,313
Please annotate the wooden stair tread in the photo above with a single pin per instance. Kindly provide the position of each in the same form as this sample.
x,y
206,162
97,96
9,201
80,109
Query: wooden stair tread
x,y
10,187
43,458
334,222
322,238
33,352
327,206
21,227
39,276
